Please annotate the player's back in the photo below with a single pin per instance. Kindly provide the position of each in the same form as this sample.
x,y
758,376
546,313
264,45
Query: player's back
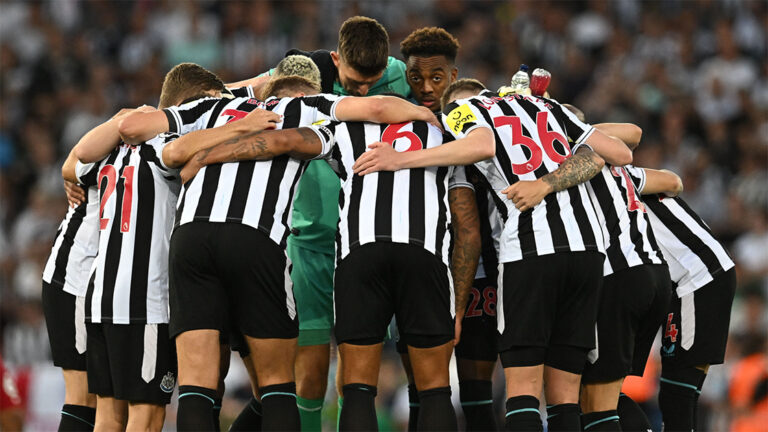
x,y
406,206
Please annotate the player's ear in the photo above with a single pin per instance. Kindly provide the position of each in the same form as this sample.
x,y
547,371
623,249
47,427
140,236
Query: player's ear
x,y
335,57
454,73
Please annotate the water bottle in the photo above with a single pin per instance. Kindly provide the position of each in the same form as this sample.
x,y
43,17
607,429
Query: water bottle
x,y
520,80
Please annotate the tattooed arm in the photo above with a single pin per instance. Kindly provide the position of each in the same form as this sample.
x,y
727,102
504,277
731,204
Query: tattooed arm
x,y
301,143
578,168
466,247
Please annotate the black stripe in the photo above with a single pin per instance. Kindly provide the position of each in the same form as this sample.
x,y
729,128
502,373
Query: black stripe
x,y
277,170
68,239
240,191
216,112
173,126
583,220
114,246
555,223
525,233
684,234
358,144
488,252
322,103
191,115
144,196
286,223
208,192
182,202
89,297
442,211
604,197
416,199
382,215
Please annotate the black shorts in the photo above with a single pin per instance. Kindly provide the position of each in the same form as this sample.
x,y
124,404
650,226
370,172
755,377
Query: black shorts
x,y
378,280
65,320
695,328
131,362
633,304
478,329
549,308
225,275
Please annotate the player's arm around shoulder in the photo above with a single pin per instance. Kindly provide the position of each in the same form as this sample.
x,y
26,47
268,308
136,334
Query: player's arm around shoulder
x,y
478,145
382,109
661,182
629,133
579,168
142,125
101,140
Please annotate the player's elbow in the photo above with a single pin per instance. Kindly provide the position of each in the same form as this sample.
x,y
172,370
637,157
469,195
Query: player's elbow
x,y
674,184
130,129
174,156
621,156
637,135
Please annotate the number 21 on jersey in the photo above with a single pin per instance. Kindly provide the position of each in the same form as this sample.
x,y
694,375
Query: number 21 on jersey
x,y
109,173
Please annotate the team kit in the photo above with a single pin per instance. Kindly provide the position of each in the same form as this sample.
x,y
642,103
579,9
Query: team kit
x,y
343,193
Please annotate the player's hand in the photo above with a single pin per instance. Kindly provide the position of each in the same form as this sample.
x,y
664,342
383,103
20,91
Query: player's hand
x,y
123,112
457,327
190,169
75,193
527,194
381,156
260,119
430,117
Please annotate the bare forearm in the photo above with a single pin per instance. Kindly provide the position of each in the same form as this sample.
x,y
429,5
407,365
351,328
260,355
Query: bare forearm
x,y
578,168
477,146
179,151
255,81
261,145
467,247
68,169
627,132
98,142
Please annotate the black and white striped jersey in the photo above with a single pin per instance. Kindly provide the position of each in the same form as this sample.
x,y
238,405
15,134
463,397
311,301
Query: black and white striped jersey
x,y
628,237
491,227
239,92
255,193
532,139
77,240
407,206
693,254
138,194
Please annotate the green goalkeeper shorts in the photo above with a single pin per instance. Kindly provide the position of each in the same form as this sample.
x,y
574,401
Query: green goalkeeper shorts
x,y
312,275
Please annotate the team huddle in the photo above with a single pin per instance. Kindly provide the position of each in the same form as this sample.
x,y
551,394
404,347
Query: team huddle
x,y
343,189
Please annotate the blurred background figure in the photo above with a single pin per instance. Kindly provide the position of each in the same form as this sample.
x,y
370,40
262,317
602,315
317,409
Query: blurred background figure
x,y
692,73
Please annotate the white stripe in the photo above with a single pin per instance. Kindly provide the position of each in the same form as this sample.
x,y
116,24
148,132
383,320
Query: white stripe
x,y
594,354
687,321
223,194
149,358
400,220
80,333
290,301
192,192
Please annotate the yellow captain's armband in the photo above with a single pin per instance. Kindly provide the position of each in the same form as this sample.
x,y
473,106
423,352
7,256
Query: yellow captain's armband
x,y
322,122
460,116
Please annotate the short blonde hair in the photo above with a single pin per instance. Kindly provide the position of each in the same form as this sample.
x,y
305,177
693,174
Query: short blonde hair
x,y
299,65
288,86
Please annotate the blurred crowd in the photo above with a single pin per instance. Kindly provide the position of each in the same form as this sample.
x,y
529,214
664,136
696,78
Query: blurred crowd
x,y
693,74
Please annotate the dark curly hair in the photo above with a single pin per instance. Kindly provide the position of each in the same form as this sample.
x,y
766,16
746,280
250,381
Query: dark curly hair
x,y
428,42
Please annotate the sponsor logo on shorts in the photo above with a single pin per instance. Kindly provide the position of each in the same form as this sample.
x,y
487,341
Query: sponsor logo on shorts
x,y
168,383
668,351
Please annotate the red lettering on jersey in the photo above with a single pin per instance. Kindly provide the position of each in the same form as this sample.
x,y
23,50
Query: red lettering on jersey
x,y
671,331
393,132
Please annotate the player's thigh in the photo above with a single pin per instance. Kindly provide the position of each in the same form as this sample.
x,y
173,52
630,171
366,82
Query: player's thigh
x,y
359,364
363,295
273,359
65,321
197,298
258,279
199,357
430,365
143,360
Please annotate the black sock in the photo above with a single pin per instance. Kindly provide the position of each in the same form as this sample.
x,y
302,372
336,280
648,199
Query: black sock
x,y
216,412
413,407
631,417
77,418
477,402
195,409
563,417
359,410
678,394
249,418
600,421
280,412
436,411
523,414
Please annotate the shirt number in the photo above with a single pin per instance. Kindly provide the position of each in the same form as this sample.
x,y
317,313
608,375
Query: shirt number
x,y
110,173
546,137
394,132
